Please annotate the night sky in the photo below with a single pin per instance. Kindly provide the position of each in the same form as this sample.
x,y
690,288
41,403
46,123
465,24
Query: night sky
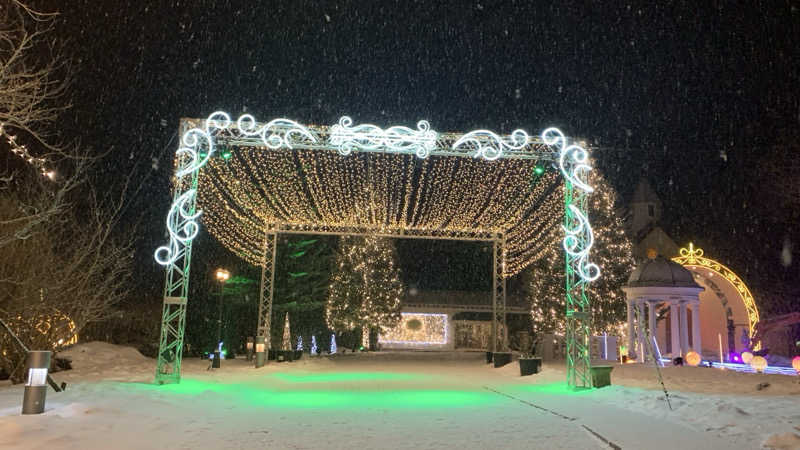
x,y
685,94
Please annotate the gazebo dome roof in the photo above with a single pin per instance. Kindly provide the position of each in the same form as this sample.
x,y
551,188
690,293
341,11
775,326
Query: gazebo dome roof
x,y
661,272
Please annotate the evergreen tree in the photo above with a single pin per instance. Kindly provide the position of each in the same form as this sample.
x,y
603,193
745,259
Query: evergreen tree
x,y
301,284
286,343
365,289
612,251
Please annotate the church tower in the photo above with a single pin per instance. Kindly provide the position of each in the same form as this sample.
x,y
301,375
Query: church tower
x,y
643,217
645,209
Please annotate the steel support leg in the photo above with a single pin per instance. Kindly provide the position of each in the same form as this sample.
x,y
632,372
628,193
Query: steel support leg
x,y
578,330
176,289
499,328
267,287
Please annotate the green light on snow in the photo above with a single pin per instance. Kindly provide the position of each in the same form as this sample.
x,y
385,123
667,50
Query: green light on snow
x,y
334,377
302,397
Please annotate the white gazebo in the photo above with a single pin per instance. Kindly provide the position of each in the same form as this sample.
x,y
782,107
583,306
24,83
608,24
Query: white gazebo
x,y
658,282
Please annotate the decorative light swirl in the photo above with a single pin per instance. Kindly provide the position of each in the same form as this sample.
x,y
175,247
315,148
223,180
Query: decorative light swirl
x,y
491,146
394,139
577,243
578,167
276,133
182,227
194,139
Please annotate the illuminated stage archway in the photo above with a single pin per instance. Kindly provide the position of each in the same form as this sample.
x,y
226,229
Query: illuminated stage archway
x,y
708,271
259,180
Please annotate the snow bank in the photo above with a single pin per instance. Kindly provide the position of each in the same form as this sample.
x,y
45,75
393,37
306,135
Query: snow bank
x,y
101,360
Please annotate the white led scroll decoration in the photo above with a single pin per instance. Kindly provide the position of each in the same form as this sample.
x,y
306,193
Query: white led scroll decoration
x,y
276,133
182,227
577,243
346,138
489,145
573,161
198,143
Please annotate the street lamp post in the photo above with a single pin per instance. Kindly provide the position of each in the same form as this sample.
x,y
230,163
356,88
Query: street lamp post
x,y
222,276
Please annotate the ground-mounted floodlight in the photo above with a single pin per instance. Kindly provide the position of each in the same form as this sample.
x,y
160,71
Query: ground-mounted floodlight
x,y
36,387
249,347
261,351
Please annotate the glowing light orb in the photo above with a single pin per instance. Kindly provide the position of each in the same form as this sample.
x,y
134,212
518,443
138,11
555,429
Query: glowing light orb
x,y
759,363
747,357
693,358
796,363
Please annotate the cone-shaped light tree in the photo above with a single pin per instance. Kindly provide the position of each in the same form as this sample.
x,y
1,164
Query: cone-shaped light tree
x,y
365,289
286,342
612,251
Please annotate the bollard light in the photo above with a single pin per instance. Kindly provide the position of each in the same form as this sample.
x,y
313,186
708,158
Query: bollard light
x,y
693,358
758,363
249,347
36,387
216,357
261,354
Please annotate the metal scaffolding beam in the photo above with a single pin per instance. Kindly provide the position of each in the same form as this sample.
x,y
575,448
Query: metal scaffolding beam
x,y
176,285
578,329
267,286
499,328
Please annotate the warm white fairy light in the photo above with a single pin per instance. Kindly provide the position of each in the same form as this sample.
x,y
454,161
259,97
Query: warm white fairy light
x,y
408,191
22,151
374,192
417,329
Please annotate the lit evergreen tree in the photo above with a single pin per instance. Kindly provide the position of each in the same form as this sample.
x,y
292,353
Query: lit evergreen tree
x,y
612,251
286,343
365,289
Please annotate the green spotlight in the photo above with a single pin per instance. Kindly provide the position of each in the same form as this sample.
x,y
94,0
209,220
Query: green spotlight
x,y
226,154
538,170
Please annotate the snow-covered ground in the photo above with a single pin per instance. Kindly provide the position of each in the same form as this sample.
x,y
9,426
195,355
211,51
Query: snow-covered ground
x,y
396,400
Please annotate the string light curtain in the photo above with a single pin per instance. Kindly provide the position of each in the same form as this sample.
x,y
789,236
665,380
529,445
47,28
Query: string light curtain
x,y
254,190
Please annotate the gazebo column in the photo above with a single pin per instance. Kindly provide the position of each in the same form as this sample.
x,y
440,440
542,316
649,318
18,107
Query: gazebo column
x,y
684,330
640,327
674,329
651,317
631,329
696,341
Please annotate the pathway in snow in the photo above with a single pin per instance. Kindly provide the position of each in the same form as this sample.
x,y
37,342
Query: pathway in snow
x,y
404,401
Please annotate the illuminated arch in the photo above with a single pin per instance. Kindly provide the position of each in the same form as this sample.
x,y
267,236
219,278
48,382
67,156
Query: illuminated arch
x,y
692,257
